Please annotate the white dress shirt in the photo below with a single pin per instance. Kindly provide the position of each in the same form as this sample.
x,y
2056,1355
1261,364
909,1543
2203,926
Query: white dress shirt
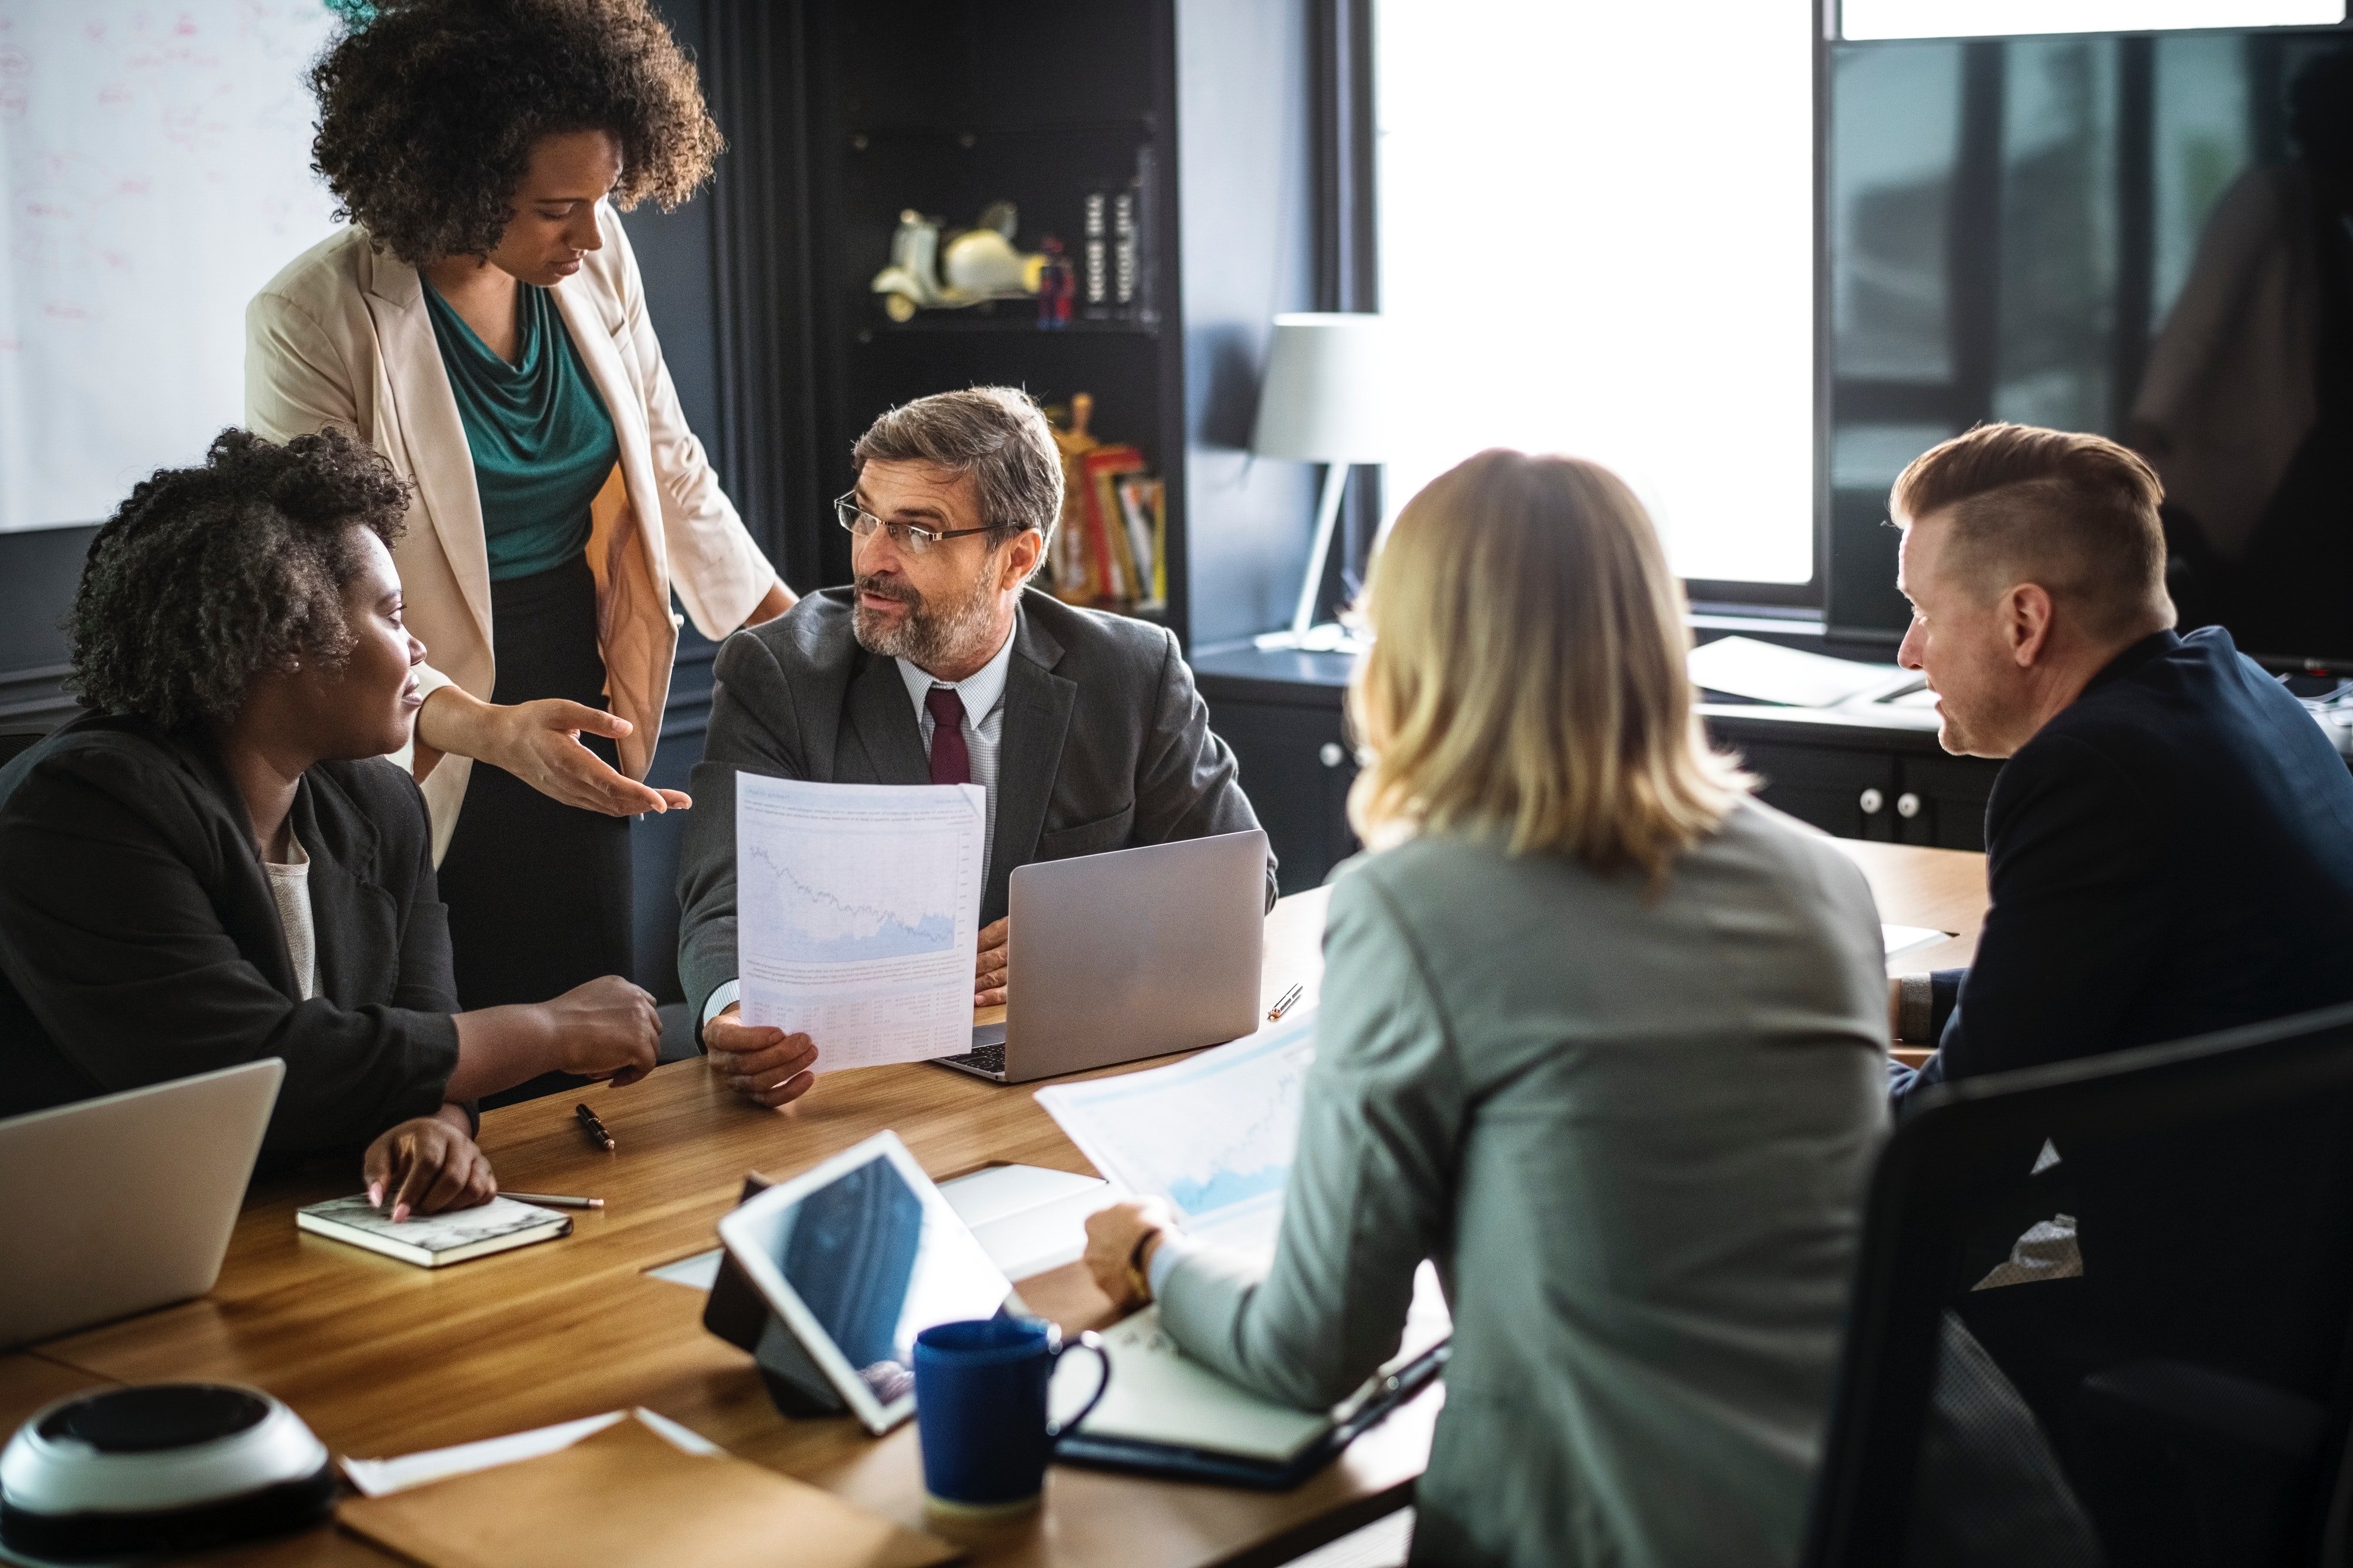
x,y
982,695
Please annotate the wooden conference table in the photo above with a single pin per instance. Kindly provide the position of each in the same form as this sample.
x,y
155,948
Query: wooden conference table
x,y
383,1359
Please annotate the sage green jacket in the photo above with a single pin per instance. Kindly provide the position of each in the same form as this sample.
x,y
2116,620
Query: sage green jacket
x,y
1632,1126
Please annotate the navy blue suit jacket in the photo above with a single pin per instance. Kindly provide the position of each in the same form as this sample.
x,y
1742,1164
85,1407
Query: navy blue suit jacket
x,y
2172,854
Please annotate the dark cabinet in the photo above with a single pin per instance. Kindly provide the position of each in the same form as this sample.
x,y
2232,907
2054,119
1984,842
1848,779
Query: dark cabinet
x,y
1296,768
1891,784
1282,713
1883,777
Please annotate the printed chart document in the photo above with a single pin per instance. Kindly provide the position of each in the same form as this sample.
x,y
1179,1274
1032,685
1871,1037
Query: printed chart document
x,y
858,914
1213,1135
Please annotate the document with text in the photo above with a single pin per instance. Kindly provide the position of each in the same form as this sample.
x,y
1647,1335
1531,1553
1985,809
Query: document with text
x,y
858,914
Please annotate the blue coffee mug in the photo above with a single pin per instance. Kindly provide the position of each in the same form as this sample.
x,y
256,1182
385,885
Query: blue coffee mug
x,y
980,1410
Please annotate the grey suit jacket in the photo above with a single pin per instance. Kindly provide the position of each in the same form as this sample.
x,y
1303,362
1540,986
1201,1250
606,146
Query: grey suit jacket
x,y
1633,1128
1105,745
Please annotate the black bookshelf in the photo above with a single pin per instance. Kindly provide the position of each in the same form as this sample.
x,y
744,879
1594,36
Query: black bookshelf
x,y
943,107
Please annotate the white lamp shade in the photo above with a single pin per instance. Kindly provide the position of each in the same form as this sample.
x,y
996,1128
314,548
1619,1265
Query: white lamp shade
x,y
1326,396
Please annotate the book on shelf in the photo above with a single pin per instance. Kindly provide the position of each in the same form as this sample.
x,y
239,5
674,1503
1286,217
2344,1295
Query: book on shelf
x,y
1122,249
1094,251
1122,582
1143,508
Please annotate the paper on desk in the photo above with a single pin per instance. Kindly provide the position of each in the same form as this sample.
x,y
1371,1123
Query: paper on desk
x,y
858,914
382,1477
1214,1135
1767,672
1901,940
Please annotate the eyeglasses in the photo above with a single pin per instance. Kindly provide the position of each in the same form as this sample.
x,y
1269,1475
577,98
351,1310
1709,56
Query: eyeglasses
x,y
907,536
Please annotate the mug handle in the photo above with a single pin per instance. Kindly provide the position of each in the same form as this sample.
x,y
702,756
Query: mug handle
x,y
1085,1342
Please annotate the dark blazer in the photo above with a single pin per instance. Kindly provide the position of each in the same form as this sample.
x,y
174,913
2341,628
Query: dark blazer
x,y
2172,854
139,940
1105,745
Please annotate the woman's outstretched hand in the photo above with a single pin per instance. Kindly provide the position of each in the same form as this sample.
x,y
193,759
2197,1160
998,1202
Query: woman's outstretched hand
x,y
538,742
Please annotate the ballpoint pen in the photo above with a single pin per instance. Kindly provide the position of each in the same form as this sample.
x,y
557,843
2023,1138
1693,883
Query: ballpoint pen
x,y
554,1200
593,1128
1282,1004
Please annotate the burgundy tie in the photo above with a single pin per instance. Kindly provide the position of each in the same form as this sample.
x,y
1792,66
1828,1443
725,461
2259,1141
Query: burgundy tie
x,y
951,763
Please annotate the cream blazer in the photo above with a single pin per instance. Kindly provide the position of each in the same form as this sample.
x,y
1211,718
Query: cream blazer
x,y
340,337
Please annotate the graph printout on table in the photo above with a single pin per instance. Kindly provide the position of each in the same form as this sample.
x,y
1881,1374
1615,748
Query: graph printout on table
x,y
1214,1135
858,914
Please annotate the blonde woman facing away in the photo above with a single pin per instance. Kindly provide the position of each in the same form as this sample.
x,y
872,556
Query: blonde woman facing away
x,y
1601,1035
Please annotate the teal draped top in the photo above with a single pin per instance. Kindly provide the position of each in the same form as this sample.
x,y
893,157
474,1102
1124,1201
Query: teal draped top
x,y
541,439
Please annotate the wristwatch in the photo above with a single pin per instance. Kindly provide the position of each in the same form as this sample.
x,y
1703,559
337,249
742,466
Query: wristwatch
x,y
1138,1284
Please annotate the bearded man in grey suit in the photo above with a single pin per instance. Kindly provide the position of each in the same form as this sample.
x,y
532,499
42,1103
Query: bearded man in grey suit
x,y
941,665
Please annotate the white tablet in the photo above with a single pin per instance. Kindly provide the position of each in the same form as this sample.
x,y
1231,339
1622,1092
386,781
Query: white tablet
x,y
856,1256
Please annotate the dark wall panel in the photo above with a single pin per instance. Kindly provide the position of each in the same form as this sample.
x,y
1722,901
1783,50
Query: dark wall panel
x,y
1245,164
39,569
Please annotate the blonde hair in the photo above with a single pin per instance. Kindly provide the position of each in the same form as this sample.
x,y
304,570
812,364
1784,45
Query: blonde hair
x,y
1528,679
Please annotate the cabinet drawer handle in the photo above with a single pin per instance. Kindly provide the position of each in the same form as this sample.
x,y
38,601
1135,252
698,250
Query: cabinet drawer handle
x,y
1907,805
1332,755
1872,803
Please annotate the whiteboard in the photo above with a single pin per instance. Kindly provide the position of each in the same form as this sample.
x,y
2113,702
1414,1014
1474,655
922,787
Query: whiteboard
x,y
155,160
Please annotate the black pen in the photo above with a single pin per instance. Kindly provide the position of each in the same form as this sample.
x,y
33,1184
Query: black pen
x,y
593,1128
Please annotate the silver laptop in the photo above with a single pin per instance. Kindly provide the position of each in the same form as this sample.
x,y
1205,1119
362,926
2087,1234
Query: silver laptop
x,y
1130,954
117,1204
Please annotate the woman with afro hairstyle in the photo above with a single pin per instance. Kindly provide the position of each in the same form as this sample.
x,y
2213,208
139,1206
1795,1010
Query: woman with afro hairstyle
x,y
215,864
481,323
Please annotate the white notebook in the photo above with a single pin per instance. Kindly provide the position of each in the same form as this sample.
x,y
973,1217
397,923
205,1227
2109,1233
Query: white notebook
x,y
1160,1394
432,1240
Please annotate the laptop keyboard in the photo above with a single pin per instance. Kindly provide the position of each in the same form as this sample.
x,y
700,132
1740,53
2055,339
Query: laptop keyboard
x,y
987,1059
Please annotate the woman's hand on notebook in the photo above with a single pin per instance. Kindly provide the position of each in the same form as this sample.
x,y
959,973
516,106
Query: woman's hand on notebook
x,y
1120,1243
426,1164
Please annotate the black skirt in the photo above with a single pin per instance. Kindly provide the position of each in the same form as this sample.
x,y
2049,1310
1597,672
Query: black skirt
x,y
538,892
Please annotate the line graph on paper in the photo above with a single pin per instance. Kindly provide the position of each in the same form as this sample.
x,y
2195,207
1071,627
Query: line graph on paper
x,y
821,908
1215,1135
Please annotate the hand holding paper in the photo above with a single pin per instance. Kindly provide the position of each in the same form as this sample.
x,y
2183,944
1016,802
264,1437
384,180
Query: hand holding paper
x,y
857,920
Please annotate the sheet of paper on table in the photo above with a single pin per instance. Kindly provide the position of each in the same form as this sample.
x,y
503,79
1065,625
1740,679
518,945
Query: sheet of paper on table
x,y
1213,1135
382,1477
858,914
1767,672
1901,940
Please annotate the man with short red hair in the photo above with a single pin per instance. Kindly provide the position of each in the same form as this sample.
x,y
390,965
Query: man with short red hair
x,y
2170,852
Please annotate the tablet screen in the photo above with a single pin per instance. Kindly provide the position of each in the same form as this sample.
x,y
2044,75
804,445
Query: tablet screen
x,y
876,1262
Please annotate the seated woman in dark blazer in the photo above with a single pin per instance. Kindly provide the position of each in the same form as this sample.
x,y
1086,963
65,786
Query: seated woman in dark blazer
x,y
214,865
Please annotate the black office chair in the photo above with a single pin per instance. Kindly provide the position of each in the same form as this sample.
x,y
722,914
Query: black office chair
x,y
13,742
2225,1469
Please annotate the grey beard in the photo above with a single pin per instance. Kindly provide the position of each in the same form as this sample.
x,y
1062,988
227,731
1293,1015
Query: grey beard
x,y
930,638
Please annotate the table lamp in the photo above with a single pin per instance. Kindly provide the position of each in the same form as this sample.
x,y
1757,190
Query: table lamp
x,y
1324,401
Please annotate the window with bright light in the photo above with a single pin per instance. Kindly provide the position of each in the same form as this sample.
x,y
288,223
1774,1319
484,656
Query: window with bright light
x,y
1861,20
1596,238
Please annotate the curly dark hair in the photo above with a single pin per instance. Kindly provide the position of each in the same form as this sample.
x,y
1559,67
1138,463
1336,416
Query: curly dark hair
x,y
207,577
427,113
